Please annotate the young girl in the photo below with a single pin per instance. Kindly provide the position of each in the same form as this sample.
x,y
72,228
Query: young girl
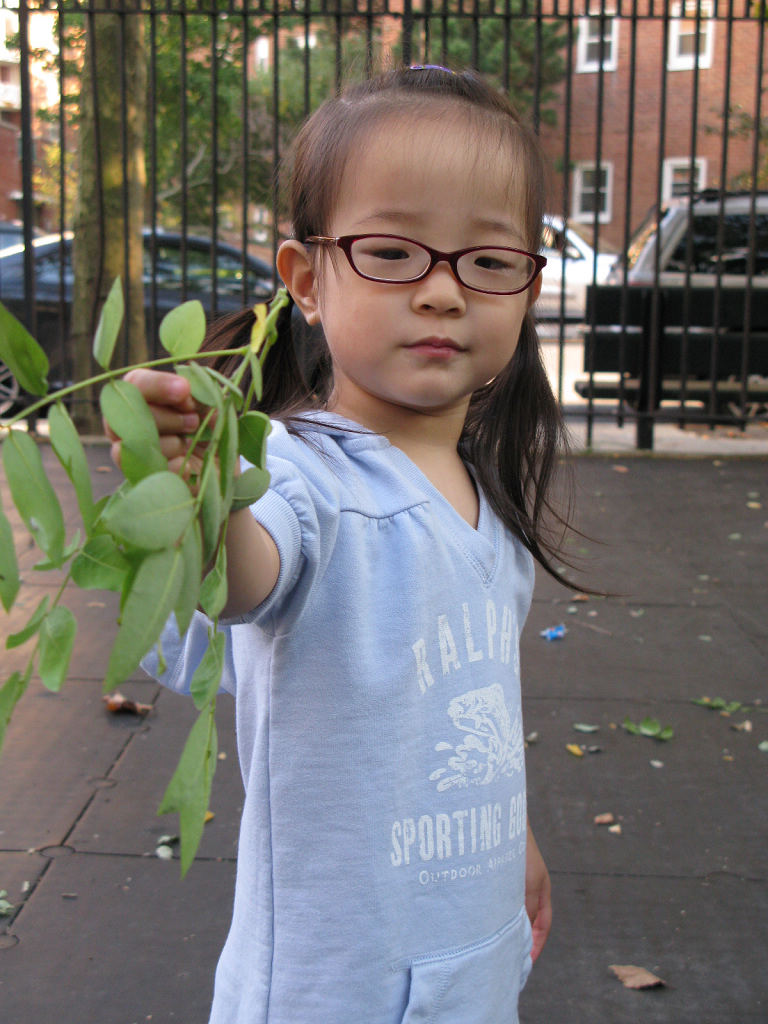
x,y
386,872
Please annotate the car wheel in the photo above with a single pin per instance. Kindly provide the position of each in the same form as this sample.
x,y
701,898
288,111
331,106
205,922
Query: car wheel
x,y
9,390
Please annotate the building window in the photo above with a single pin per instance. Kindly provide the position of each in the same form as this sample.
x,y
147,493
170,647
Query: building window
x,y
691,35
597,43
593,192
676,176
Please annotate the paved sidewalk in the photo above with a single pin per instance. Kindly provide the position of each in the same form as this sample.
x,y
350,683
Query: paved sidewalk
x,y
106,933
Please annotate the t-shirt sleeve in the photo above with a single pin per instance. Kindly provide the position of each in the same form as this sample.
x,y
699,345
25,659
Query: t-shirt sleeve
x,y
300,511
182,655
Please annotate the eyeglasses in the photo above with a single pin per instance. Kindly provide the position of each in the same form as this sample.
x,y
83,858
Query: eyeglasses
x,y
392,259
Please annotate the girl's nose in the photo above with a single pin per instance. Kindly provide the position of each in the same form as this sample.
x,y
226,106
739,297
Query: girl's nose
x,y
440,292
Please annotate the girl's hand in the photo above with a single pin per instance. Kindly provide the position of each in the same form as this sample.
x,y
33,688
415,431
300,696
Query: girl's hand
x,y
538,895
175,412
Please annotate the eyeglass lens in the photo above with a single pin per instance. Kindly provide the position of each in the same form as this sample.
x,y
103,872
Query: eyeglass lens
x,y
491,269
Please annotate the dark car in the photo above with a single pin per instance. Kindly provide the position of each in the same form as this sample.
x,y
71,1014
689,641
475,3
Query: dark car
x,y
12,233
176,268
710,239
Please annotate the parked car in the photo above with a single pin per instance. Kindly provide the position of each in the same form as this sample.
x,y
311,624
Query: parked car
x,y
12,233
700,240
172,274
572,264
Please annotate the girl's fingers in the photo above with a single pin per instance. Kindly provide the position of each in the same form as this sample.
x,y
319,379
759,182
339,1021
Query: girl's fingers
x,y
174,449
170,421
169,398
163,389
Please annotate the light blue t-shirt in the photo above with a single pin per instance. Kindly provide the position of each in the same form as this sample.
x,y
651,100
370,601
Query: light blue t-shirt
x,y
381,863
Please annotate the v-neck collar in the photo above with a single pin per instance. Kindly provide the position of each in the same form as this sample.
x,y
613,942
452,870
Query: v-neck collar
x,y
480,545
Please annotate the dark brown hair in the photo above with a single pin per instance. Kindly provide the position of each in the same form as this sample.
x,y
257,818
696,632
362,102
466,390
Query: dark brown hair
x,y
514,433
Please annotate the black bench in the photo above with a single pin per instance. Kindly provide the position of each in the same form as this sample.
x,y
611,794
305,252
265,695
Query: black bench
x,y
705,346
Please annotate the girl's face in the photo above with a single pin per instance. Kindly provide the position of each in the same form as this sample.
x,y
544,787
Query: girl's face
x,y
422,347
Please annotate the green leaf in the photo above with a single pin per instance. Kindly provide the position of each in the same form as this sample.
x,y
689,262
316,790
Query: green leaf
x,y
101,565
207,677
213,592
22,354
235,393
153,514
585,727
182,331
254,428
124,409
256,376
46,564
69,450
32,493
138,461
189,594
203,386
227,453
57,636
10,694
650,727
189,790
9,566
146,609
109,325
32,626
212,510
249,487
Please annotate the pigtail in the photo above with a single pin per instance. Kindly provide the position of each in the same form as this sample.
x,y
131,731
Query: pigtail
x,y
296,372
514,437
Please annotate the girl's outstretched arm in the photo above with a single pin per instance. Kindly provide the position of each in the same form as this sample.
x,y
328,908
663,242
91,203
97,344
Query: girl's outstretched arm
x,y
538,895
253,564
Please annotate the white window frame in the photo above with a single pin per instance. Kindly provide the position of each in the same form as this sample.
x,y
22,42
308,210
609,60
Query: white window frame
x,y
262,53
684,17
584,64
581,215
677,163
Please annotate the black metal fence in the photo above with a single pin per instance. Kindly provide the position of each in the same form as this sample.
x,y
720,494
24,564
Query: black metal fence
x,y
639,105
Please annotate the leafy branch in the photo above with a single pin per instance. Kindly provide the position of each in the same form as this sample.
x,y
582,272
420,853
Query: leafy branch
x,y
158,540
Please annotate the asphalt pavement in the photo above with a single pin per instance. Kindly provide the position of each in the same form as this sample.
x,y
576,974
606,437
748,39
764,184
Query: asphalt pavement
x,y
103,931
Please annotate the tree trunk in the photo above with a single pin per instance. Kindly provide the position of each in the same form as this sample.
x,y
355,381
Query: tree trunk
x,y
108,217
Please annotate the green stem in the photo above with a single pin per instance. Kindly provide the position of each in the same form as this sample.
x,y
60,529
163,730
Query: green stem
x,y
110,374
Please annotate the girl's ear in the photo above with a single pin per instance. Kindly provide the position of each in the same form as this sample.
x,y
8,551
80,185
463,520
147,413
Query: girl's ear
x,y
295,269
534,290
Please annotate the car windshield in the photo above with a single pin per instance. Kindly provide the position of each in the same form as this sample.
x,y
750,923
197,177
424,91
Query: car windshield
x,y
724,245
647,229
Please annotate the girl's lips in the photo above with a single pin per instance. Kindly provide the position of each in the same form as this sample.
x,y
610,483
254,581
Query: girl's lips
x,y
435,345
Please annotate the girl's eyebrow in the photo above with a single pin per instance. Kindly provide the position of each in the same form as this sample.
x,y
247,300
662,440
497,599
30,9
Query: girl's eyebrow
x,y
411,220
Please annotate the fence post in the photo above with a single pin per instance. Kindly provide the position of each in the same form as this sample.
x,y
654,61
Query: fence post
x,y
649,389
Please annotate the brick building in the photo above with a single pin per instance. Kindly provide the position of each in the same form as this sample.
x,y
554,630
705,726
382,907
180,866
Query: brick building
x,y
45,93
644,111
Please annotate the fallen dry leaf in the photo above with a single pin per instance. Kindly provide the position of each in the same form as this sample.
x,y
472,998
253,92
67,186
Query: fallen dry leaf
x,y
575,749
636,977
745,726
615,829
604,819
619,469
117,704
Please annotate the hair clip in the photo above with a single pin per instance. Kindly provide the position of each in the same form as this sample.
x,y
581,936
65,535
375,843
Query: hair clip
x,y
431,67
